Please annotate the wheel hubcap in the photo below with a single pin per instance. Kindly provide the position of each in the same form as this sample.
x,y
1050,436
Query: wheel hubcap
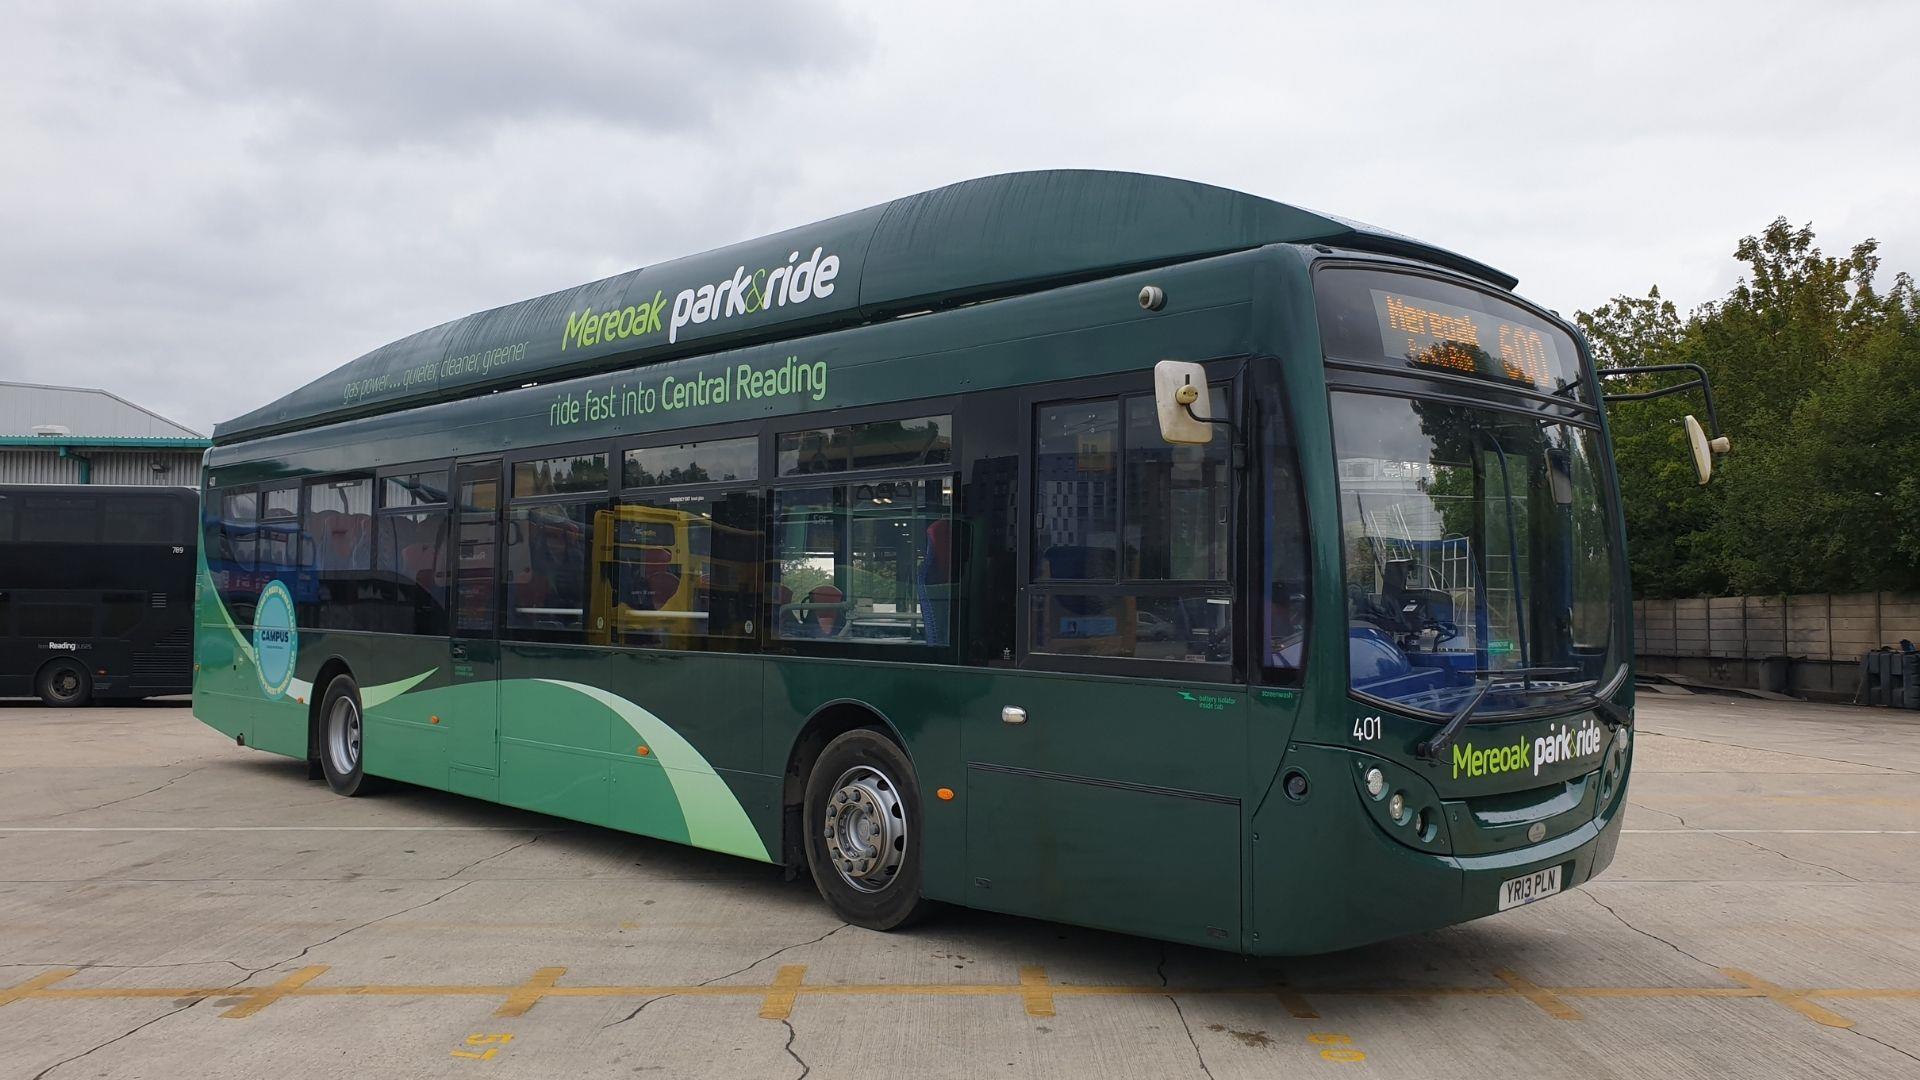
x,y
866,828
66,683
343,736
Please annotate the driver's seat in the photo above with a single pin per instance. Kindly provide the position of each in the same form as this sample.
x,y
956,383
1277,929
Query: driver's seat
x,y
1413,609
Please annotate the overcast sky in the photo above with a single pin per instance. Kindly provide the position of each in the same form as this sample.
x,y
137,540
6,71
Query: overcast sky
x,y
204,205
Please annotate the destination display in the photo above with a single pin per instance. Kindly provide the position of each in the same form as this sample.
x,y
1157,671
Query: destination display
x,y
1436,335
1402,320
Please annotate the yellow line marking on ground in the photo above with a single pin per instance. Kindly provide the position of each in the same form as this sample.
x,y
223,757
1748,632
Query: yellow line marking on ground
x,y
1548,1001
1795,1000
778,1004
1662,992
1034,991
260,997
99,992
423,990
38,982
530,992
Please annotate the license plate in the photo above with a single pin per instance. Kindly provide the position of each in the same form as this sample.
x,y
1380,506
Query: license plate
x,y
1530,887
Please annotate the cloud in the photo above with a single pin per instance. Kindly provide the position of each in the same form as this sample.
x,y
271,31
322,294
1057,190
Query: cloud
x,y
440,71
204,205
207,205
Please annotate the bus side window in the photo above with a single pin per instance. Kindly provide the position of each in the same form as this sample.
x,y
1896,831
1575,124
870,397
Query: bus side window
x,y
277,549
1283,539
868,562
1130,543
676,562
410,562
670,570
548,549
337,530
411,570
233,569
136,519
550,545
860,557
60,519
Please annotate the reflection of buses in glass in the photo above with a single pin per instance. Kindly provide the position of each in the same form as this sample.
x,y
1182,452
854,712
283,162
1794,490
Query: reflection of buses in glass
x,y
658,570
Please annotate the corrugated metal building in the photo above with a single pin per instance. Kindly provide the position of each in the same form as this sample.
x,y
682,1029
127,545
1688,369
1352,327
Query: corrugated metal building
x,y
74,435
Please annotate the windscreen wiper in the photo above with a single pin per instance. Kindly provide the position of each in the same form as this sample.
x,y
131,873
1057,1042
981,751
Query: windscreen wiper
x,y
1612,715
1434,747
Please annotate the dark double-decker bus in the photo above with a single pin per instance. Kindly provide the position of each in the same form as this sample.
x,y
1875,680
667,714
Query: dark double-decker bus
x,y
1104,548
96,591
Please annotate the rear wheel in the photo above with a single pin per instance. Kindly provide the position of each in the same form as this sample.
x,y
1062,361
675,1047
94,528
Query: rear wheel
x,y
63,684
341,738
862,814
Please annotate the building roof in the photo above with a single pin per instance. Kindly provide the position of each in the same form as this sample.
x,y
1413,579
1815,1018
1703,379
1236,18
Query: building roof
x,y
91,417
976,240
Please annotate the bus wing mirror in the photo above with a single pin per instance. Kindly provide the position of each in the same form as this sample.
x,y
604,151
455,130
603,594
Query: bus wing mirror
x,y
1181,400
1703,448
1702,445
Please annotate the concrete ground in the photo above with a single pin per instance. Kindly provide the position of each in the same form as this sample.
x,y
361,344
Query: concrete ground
x,y
171,906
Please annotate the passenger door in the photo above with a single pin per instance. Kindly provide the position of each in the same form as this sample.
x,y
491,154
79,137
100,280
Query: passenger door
x,y
1105,779
473,649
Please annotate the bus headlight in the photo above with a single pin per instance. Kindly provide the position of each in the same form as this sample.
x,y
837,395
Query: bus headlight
x,y
1397,806
1376,782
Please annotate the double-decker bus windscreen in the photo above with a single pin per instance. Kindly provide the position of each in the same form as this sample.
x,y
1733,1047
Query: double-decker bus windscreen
x,y
1475,540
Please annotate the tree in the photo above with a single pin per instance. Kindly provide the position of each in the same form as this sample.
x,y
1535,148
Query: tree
x,y
1817,374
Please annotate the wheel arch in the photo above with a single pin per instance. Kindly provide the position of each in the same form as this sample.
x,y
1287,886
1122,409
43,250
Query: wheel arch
x,y
334,667
825,724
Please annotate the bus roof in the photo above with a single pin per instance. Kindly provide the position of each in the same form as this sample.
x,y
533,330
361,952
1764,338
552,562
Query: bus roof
x,y
975,240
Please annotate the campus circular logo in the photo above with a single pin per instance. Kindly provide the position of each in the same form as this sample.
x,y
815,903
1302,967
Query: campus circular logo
x,y
276,640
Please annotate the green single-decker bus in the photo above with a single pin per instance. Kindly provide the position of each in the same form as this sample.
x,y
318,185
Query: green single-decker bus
x,y
1098,547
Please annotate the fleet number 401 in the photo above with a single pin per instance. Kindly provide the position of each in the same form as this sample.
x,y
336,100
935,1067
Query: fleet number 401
x,y
1367,728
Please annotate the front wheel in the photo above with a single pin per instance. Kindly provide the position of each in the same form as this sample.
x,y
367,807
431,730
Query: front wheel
x,y
862,813
340,738
63,684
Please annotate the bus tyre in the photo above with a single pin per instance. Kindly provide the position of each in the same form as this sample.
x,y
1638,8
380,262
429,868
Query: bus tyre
x,y
63,684
340,738
862,822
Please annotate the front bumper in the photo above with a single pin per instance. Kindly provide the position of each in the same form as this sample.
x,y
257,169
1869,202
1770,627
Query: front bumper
x,y
1326,876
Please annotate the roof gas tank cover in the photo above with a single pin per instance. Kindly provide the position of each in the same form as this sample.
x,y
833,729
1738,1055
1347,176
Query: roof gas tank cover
x,y
975,240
